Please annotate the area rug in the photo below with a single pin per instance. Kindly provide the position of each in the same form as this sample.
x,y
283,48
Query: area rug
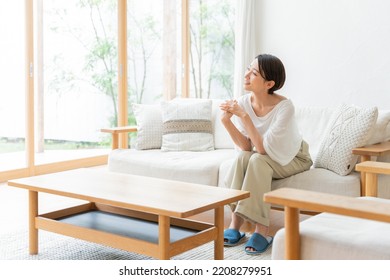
x,y
52,246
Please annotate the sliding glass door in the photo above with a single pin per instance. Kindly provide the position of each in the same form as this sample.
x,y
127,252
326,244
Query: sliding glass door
x,y
12,86
76,81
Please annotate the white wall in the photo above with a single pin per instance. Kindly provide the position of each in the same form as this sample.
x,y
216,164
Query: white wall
x,y
334,51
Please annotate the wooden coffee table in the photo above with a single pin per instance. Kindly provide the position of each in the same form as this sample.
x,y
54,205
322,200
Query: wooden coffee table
x,y
139,214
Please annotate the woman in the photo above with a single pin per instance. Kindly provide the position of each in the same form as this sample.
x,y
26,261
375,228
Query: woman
x,y
266,134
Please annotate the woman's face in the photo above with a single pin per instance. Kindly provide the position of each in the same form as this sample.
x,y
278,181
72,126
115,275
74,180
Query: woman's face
x,y
253,81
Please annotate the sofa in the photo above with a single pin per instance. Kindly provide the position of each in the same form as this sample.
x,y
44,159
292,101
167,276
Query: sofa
x,y
158,151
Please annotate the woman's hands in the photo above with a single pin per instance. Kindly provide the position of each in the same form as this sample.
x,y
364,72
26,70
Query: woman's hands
x,y
253,138
226,115
230,108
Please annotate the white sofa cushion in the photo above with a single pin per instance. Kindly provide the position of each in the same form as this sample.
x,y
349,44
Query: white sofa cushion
x,y
350,128
335,237
193,167
187,125
315,179
149,126
322,180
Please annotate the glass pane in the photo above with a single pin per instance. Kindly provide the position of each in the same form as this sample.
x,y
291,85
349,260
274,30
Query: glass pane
x,y
212,48
12,93
77,95
154,50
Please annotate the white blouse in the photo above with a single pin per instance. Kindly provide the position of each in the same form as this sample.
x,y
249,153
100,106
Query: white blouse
x,y
281,137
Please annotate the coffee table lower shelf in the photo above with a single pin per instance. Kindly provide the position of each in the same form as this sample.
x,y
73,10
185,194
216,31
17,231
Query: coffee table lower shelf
x,y
127,229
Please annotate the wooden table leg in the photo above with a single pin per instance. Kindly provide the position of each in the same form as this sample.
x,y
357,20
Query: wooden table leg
x,y
219,224
292,241
371,184
163,237
363,176
33,213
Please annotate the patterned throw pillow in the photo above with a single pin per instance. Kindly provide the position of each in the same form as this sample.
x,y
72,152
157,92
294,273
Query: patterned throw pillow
x,y
149,126
187,125
349,128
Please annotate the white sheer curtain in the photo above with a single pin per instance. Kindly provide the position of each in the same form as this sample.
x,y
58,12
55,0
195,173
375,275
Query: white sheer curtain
x,y
247,40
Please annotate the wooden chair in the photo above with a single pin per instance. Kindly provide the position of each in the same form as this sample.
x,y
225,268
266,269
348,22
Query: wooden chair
x,y
373,208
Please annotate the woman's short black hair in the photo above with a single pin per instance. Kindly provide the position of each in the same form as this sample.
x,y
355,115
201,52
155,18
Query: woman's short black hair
x,y
272,69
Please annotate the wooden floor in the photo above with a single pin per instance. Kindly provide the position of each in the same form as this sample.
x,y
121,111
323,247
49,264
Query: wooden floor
x,y
14,209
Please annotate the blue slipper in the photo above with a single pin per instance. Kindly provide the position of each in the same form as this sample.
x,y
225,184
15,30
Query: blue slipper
x,y
259,243
232,237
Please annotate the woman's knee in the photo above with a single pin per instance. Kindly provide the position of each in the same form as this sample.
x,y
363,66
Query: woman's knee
x,y
260,162
257,158
244,156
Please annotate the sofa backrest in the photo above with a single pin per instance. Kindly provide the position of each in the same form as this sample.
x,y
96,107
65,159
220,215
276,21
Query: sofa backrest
x,y
314,121
381,131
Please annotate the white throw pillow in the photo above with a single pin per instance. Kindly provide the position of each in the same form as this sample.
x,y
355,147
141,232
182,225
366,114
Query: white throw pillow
x,y
349,128
149,126
187,125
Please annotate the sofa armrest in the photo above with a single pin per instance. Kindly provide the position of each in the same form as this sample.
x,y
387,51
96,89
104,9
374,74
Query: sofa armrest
x,y
115,131
368,151
371,169
374,167
295,199
330,203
